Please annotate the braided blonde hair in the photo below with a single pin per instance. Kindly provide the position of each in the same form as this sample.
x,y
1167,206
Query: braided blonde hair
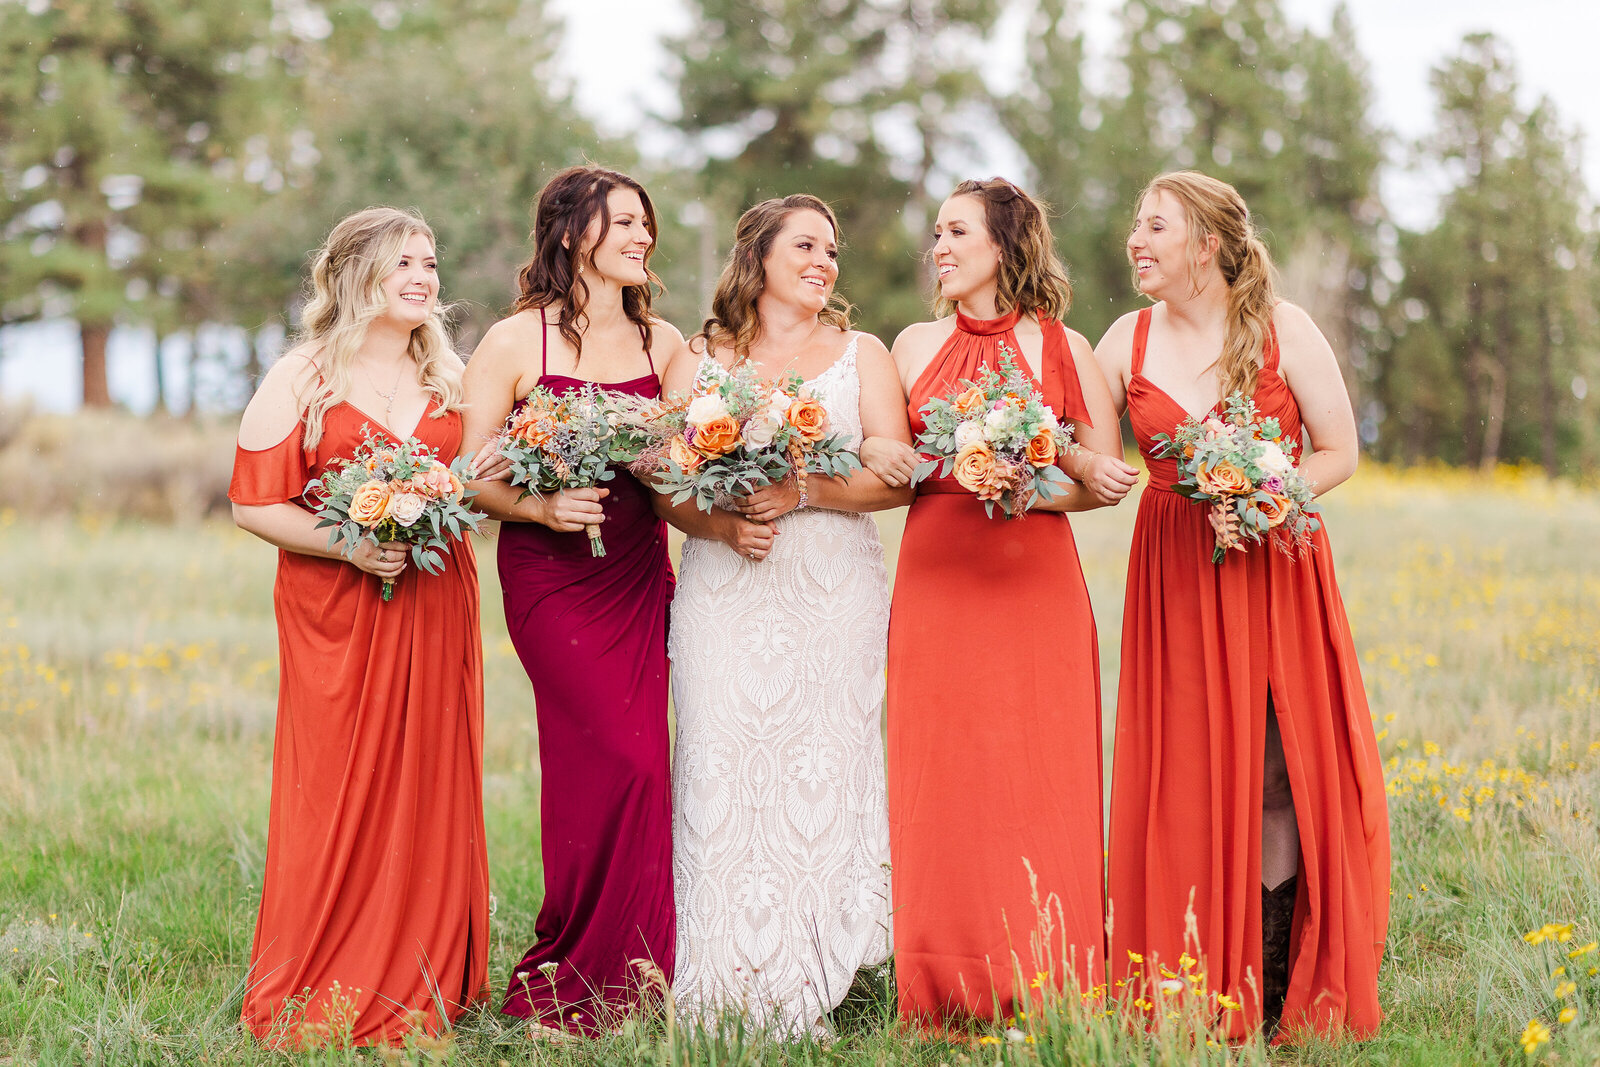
x,y
1214,207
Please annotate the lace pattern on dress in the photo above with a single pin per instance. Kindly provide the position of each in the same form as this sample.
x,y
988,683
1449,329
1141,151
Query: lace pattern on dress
x,y
780,823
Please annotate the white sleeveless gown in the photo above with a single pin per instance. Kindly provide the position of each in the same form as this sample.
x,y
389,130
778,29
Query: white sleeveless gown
x,y
780,834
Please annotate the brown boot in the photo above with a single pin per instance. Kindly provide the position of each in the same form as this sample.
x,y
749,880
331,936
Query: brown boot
x,y
1277,921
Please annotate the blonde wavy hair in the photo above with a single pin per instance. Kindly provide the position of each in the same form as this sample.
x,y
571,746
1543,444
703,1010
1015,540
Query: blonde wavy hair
x,y
346,295
1031,276
733,320
1213,207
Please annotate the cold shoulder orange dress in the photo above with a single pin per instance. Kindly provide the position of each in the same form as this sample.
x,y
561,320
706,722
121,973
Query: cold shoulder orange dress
x,y
1203,646
376,874
994,730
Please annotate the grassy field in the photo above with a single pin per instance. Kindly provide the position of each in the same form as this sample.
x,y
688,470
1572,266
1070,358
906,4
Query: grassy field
x,y
137,674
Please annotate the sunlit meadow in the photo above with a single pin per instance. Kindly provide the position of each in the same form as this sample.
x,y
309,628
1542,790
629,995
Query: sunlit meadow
x,y
137,674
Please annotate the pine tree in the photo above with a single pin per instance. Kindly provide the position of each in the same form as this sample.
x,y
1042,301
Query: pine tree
x,y
113,143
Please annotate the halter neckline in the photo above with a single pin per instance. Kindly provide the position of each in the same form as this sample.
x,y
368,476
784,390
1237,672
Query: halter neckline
x,y
987,327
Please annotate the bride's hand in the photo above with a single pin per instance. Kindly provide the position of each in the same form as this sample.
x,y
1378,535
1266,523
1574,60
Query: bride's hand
x,y
894,462
769,502
752,540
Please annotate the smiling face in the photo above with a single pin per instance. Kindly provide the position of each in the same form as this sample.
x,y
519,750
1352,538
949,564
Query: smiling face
x,y
1159,247
803,262
618,254
412,288
965,256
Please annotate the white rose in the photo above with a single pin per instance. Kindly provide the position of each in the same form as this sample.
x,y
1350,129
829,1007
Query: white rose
x,y
406,508
1000,420
705,408
759,431
1273,460
968,433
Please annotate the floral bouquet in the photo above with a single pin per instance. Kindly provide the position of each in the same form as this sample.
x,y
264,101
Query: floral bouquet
x,y
568,441
999,437
394,492
1245,469
736,433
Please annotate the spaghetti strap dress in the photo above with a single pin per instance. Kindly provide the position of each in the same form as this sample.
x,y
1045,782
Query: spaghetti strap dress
x,y
994,742
374,913
1207,650
592,634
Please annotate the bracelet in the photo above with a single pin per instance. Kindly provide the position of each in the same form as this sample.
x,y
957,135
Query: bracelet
x,y
803,502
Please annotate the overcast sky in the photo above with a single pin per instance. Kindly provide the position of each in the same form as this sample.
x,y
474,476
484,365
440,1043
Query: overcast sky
x,y
613,57
615,61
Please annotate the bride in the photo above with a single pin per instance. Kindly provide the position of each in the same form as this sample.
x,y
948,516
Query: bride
x,y
779,625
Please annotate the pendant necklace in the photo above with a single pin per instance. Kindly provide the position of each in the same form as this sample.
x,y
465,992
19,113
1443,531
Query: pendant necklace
x,y
388,397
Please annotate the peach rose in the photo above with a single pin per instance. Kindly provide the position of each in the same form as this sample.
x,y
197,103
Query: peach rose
x,y
975,467
717,437
439,482
1042,449
809,419
370,503
684,456
1276,508
1222,479
970,402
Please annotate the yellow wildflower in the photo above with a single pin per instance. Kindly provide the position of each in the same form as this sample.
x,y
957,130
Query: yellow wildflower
x,y
1564,990
1536,1034
1567,1015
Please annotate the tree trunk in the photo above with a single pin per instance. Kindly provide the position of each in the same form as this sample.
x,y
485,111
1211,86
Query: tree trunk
x,y
160,406
1497,371
1547,385
96,392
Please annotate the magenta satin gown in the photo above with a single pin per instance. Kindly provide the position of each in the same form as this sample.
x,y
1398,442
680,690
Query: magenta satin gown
x,y
592,635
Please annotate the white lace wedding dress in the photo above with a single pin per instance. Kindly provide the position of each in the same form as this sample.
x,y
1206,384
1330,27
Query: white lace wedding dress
x,y
780,836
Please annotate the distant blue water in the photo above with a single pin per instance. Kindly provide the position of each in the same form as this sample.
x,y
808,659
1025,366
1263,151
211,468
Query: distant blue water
x,y
42,363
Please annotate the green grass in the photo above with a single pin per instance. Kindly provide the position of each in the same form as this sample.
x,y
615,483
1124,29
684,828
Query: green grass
x,y
137,674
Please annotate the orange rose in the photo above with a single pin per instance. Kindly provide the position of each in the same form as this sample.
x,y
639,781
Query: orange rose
x,y
1276,508
717,437
809,419
369,503
1222,479
975,467
684,456
970,402
1042,449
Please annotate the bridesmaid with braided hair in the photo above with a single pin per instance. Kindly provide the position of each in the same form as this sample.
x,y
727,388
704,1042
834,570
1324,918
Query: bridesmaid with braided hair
x,y
1246,783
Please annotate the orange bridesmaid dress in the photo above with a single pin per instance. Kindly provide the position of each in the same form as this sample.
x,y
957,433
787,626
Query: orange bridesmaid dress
x,y
376,874
1203,647
994,730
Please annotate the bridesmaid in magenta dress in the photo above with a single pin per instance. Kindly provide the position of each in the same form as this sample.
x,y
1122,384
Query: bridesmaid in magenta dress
x,y
591,631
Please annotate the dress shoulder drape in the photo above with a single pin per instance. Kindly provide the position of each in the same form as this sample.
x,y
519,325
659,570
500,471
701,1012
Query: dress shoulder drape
x,y
374,912
994,729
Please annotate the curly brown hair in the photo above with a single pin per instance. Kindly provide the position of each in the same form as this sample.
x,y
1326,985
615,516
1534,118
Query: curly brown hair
x,y
1212,206
567,205
1031,274
733,321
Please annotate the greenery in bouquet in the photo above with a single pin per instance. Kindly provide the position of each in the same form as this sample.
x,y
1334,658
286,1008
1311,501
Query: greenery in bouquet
x,y
999,438
737,432
1243,466
566,441
401,492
